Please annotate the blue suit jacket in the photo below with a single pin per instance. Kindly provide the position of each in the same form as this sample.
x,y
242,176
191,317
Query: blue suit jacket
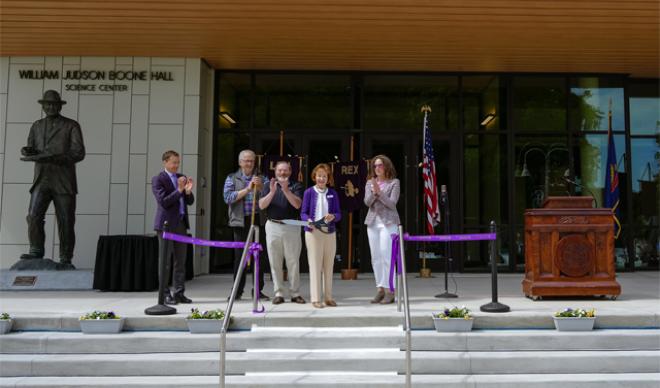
x,y
167,201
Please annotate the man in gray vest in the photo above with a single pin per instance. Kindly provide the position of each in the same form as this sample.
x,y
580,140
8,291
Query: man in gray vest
x,y
238,194
55,145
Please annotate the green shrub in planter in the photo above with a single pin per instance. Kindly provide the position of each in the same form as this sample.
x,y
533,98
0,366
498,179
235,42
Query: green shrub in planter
x,y
5,323
209,321
574,319
453,319
101,322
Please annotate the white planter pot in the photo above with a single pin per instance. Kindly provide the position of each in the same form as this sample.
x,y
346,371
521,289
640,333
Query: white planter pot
x,y
574,324
453,324
101,326
201,326
5,325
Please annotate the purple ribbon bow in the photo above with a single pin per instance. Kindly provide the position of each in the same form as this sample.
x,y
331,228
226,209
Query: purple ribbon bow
x,y
395,262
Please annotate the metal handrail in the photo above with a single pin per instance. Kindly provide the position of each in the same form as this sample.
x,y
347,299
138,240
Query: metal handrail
x,y
230,303
401,279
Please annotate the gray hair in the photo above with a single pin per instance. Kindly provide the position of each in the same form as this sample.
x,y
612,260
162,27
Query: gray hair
x,y
245,153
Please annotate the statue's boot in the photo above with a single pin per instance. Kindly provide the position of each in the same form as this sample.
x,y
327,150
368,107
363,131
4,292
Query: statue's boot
x,y
31,256
65,263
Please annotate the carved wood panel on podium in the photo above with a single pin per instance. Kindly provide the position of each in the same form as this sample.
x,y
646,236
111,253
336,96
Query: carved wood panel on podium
x,y
569,250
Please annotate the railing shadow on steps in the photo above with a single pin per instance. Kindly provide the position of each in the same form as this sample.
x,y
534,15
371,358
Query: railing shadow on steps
x,y
252,237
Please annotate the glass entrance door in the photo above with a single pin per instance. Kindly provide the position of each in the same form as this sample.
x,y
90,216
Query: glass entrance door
x,y
406,154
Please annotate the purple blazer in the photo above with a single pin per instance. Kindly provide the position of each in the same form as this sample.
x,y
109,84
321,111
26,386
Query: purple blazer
x,y
308,207
167,201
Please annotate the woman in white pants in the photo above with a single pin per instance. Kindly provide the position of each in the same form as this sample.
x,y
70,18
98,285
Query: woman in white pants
x,y
381,195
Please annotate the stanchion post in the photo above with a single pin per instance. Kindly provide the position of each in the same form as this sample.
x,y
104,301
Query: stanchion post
x,y
494,306
255,274
444,200
163,256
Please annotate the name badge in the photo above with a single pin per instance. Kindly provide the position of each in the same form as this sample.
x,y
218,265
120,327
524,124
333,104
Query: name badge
x,y
331,196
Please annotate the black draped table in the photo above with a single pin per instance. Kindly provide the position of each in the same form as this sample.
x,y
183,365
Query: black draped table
x,y
130,263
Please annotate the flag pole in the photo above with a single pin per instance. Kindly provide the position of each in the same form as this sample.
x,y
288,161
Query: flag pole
x,y
350,273
424,272
282,143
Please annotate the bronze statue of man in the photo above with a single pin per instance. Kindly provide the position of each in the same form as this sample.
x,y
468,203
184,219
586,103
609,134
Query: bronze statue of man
x,y
55,145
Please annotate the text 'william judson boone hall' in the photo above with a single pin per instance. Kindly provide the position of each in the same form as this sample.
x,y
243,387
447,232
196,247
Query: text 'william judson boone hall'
x,y
97,75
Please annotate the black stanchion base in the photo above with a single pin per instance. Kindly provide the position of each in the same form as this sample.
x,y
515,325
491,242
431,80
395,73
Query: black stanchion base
x,y
495,307
160,309
446,295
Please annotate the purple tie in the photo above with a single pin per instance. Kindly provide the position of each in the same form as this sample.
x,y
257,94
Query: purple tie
x,y
182,208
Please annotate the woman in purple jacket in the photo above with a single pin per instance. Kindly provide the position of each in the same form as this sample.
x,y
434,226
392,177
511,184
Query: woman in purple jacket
x,y
321,203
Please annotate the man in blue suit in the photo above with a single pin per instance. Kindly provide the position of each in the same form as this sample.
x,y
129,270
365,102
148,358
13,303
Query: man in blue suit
x,y
173,193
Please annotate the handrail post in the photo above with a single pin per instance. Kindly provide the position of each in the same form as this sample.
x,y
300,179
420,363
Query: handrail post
x,y
398,291
230,304
494,306
406,308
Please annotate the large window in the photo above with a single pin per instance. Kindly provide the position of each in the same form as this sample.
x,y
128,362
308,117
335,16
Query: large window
x,y
503,144
539,103
394,102
485,196
234,105
645,108
644,104
590,155
541,165
591,99
483,103
310,101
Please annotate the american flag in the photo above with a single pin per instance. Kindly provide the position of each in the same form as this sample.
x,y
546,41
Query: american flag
x,y
430,181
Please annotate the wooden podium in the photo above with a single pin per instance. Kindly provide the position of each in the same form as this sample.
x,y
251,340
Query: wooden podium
x,y
569,250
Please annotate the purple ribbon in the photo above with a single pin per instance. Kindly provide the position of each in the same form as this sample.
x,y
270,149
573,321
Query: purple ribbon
x,y
395,262
452,237
253,252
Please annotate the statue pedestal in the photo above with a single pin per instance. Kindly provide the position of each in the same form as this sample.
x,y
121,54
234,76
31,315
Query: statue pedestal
x,y
45,280
40,265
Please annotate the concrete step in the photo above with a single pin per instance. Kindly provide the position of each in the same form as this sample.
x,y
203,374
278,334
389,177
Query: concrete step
x,y
345,360
327,338
339,318
330,380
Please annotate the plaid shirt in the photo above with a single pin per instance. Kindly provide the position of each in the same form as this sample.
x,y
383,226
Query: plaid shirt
x,y
230,193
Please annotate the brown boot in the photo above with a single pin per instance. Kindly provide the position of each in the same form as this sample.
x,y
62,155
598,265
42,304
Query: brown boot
x,y
379,296
389,298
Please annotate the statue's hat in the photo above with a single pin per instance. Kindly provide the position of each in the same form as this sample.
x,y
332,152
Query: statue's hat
x,y
52,96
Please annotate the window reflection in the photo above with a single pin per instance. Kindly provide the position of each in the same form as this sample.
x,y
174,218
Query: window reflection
x,y
541,165
589,103
645,108
645,198
590,166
